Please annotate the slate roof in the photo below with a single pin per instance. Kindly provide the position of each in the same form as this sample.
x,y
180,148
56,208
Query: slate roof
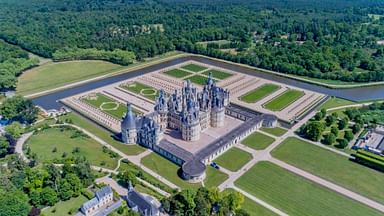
x,y
104,191
142,203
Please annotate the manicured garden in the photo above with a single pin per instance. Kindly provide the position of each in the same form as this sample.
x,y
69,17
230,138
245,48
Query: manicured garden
x,y
282,101
331,166
217,74
276,131
170,170
178,73
55,144
258,141
106,104
63,208
198,79
102,134
295,195
233,159
259,93
142,89
194,67
52,75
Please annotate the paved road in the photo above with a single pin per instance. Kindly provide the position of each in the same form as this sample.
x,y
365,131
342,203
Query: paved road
x,y
19,146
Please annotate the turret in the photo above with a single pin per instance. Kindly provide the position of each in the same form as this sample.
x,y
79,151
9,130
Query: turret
x,y
128,126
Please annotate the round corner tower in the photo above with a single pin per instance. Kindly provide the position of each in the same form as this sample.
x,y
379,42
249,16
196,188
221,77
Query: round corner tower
x,y
128,127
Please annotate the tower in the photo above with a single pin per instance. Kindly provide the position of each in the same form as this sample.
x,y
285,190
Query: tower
x,y
190,129
128,126
161,107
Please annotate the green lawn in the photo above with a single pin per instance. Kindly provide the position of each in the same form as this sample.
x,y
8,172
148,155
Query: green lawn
x,y
198,79
194,67
169,171
103,134
233,159
44,142
143,90
218,74
258,141
177,73
259,93
295,195
52,75
333,167
107,105
253,208
62,208
285,99
336,102
276,131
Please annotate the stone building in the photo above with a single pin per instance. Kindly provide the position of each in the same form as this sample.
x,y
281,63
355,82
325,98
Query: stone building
x,y
144,205
102,204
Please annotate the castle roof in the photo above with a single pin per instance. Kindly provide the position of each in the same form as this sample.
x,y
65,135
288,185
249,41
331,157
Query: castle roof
x,y
129,120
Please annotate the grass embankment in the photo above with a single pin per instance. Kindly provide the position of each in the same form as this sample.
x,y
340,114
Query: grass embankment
x,y
333,167
297,196
234,159
52,143
194,67
253,208
258,141
52,75
62,208
259,93
277,131
217,74
143,90
177,73
103,134
169,171
282,101
336,102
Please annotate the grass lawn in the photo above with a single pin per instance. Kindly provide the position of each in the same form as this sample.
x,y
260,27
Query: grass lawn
x,y
259,93
194,67
253,208
169,171
107,105
177,73
149,191
295,195
233,159
52,75
143,90
333,167
258,141
218,74
285,99
62,208
103,134
277,131
336,102
43,142
198,79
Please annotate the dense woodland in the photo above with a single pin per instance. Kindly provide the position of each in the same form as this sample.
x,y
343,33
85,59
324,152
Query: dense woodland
x,y
325,39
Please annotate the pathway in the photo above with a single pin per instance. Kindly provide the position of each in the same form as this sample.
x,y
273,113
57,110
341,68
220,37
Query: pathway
x,y
19,146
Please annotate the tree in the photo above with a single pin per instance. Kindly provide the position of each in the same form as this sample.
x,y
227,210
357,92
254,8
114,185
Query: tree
x,y
342,143
4,146
343,123
314,129
75,184
203,206
329,139
126,177
330,119
348,135
335,131
14,130
13,203
65,190
356,128
49,196
19,109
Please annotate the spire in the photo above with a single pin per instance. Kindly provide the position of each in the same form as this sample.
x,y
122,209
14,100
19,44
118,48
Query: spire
x,y
129,121
130,187
210,79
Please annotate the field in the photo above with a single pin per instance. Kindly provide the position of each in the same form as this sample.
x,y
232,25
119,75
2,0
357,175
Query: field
x,y
51,144
258,141
198,79
103,134
333,167
295,195
233,159
52,75
143,90
285,99
169,170
107,105
277,131
336,102
218,74
259,93
177,73
62,208
253,208
194,67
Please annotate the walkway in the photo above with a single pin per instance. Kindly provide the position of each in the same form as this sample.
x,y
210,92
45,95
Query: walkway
x,y
19,146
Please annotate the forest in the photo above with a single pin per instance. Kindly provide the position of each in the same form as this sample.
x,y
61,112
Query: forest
x,y
335,40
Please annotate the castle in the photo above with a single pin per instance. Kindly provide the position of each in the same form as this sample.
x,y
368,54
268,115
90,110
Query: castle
x,y
190,112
